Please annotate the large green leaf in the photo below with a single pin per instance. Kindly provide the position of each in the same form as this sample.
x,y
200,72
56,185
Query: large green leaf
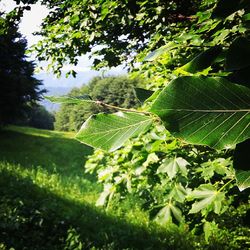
x,y
143,94
205,110
110,131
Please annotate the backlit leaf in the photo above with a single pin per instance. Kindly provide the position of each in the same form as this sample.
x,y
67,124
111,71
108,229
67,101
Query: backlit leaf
x,y
108,191
208,196
205,110
69,99
165,215
110,131
158,52
172,165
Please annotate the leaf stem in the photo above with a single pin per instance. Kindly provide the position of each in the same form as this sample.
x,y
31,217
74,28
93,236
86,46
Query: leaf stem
x,y
225,185
103,104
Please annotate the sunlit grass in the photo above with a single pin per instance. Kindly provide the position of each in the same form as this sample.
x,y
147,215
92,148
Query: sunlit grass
x,y
42,182
71,187
40,132
51,159
54,161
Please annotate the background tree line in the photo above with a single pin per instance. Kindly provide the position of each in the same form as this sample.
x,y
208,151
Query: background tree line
x,y
117,91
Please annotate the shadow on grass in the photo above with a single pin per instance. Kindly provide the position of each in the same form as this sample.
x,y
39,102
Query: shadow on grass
x,y
58,154
34,218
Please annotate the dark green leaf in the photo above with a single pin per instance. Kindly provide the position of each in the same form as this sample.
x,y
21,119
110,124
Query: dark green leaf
x,y
143,94
225,8
241,77
242,156
238,54
206,111
202,61
243,179
110,131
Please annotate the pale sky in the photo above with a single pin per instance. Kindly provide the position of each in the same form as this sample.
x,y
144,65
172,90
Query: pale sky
x,y
30,21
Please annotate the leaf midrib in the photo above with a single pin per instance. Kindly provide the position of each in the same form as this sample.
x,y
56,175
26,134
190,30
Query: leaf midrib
x,y
207,110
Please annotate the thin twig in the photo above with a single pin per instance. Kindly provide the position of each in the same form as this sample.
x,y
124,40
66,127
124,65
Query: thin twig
x,y
103,104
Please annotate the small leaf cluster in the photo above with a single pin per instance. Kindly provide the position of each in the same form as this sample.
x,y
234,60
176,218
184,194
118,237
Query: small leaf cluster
x,y
173,180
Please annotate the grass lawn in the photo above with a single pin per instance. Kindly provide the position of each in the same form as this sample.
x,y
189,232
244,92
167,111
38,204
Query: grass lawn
x,y
48,202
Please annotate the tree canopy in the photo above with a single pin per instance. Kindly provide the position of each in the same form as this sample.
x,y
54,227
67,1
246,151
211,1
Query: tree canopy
x,y
120,28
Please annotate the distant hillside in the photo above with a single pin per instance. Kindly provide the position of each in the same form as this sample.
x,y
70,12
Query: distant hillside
x,y
62,85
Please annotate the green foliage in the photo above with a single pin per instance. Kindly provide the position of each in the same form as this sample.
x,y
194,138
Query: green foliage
x,y
173,181
180,183
118,26
208,43
209,198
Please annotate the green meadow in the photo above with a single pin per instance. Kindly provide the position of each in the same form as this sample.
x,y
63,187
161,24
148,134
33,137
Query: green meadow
x,y
48,202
